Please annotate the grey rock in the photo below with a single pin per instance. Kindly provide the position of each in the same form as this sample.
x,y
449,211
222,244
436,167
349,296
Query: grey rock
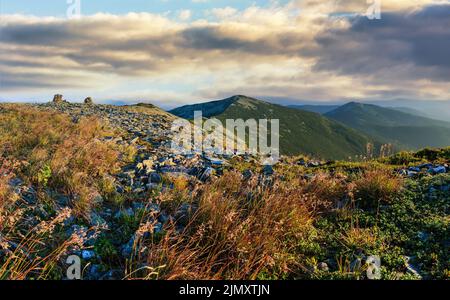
x,y
88,254
437,170
410,268
323,267
15,182
155,178
96,220
158,228
301,162
206,174
356,264
127,249
268,170
123,213
247,174
425,166
423,236
88,101
58,98
95,272
138,190
119,189
414,169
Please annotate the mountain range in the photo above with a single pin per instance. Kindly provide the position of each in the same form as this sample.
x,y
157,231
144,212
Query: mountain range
x,y
301,132
331,131
404,130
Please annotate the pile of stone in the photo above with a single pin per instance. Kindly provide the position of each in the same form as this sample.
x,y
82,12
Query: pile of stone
x,y
423,169
58,98
88,101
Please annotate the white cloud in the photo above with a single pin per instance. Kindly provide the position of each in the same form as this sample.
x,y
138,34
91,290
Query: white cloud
x,y
272,51
224,12
185,15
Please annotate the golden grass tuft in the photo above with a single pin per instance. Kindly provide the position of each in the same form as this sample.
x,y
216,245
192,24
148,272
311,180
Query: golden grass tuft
x,y
239,230
377,186
69,157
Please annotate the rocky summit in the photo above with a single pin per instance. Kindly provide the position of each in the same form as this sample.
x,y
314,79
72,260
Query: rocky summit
x,y
149,133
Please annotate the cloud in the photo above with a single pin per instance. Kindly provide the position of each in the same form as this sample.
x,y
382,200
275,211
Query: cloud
x,y
304,49
411,46
185,15
223,12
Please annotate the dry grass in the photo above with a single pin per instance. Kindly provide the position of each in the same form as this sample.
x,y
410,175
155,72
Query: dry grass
x,y
239,230
48,152
377,186
231,227
330,189
67,156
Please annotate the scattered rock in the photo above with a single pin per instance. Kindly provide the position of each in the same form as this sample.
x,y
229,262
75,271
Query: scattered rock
x,y
155,178
88,101
247,174
323,267
123,213
127,249
58,98
88,254
206,174
437,170
410,268
423,236
96,220
268,170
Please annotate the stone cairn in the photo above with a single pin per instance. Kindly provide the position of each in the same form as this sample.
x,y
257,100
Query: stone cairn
x,y
88,101
58,98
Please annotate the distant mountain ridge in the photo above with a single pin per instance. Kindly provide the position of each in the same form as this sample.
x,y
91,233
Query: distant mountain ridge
x,y
301,132
208,109
320,109
403,129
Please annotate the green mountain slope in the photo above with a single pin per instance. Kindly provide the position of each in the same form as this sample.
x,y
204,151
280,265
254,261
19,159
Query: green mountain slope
x,y
320,109
301,132
389,125
209,109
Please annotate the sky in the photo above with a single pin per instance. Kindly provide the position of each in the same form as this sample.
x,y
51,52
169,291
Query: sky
x,y
174,52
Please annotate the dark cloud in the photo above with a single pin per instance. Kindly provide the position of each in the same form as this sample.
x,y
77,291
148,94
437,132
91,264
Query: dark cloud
x,y
215,38
382,58
12,80
55,34
415,45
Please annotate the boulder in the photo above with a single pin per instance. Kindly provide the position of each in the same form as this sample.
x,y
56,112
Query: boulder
x,y
206,174
247,174
155,178
425,166
58,98
438,170
414,169
96,220
268,170
323,267
88,101
88,254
